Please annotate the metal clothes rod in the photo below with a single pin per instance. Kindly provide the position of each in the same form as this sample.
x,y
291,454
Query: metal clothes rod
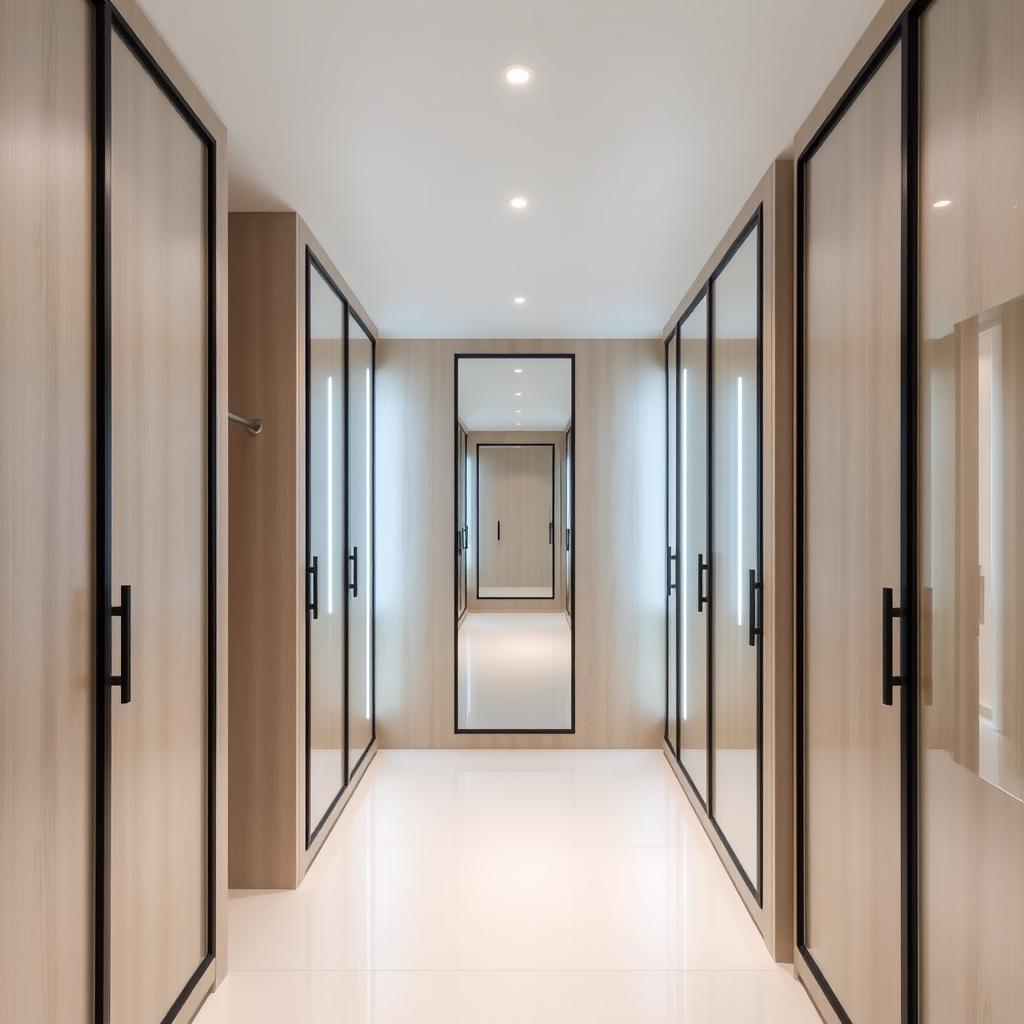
x,y
254,426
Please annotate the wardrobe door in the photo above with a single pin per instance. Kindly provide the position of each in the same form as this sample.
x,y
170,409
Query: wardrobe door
x,y
492,570
47,538
736,556
971,511
672,570
160,529
359,530
531,514
694,549
460,520
851,444
567,514
325,546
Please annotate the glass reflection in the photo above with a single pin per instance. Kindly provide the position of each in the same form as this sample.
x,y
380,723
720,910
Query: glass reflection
x,y
326,639
971,514
735,557
514,639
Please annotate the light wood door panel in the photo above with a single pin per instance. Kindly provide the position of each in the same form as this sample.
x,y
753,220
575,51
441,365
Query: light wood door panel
x,y
851,499
971,511
47,549
159,841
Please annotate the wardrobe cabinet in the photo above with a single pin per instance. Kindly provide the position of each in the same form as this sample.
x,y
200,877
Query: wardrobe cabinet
x,y
302,585
113,377
728,603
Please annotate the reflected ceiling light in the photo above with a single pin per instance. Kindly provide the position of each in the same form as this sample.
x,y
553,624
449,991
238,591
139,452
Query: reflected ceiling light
x,y
518,370
517,74
518,394
519,300
942,204
519,203
519,412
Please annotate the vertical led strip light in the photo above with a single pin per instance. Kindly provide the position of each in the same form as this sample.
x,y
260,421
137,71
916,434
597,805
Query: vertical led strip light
x,y
368,488
739,499
681,563
330,495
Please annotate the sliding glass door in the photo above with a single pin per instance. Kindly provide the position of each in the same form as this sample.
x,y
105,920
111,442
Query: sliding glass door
x,y
359,531
736,552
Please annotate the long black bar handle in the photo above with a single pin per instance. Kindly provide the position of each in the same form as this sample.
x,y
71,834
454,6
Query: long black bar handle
x,y
465,538
354,559
755,628
499,529
124,613
314,571
567,538
889,615
551,533
673,582
702,573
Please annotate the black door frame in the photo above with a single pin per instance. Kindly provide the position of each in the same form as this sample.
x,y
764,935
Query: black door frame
x,y
312,261
571,524
904,33
754,225
108,22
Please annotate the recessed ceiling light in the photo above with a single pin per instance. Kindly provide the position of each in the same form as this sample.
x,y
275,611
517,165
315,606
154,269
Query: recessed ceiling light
x,y
518,370
519,300
519,203
517,74
942,204
519,412
519,394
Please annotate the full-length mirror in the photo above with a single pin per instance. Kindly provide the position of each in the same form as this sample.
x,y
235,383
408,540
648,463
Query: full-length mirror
x,y
513,529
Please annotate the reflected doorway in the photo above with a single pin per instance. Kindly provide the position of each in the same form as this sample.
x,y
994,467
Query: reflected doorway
x,y
514,532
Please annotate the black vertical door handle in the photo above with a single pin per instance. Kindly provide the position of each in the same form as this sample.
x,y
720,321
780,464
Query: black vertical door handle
x,y
703,572
314,571
567,538
551,533
889,615
124,613
499,529
354,559
672,571
753,589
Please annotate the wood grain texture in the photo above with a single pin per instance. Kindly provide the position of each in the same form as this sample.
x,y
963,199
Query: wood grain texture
x,y
159,526
774,194
46,512
619,553
852,550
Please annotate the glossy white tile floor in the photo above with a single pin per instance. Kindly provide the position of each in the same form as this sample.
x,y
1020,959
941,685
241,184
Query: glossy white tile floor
x,y
515,671
507,886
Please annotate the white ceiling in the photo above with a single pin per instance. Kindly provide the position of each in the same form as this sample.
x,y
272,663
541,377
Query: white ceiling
x,y
387,126
488,394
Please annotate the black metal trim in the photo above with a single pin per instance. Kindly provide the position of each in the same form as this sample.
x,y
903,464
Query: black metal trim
x,y
905,33
571,523
513,444
108,22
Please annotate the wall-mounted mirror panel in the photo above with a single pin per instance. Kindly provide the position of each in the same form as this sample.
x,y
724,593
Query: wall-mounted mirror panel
x,y
359,440
513,529
325,544
736,551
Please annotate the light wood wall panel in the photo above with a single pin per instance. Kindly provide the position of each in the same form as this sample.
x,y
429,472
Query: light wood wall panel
x,y
46,512
619,550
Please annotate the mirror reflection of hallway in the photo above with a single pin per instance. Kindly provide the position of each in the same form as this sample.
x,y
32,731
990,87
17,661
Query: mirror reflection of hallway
x,y
513,530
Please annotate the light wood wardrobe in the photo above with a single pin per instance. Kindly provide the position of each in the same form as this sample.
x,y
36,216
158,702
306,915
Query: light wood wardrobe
x,y
910,287
302,584
729,547
113,660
